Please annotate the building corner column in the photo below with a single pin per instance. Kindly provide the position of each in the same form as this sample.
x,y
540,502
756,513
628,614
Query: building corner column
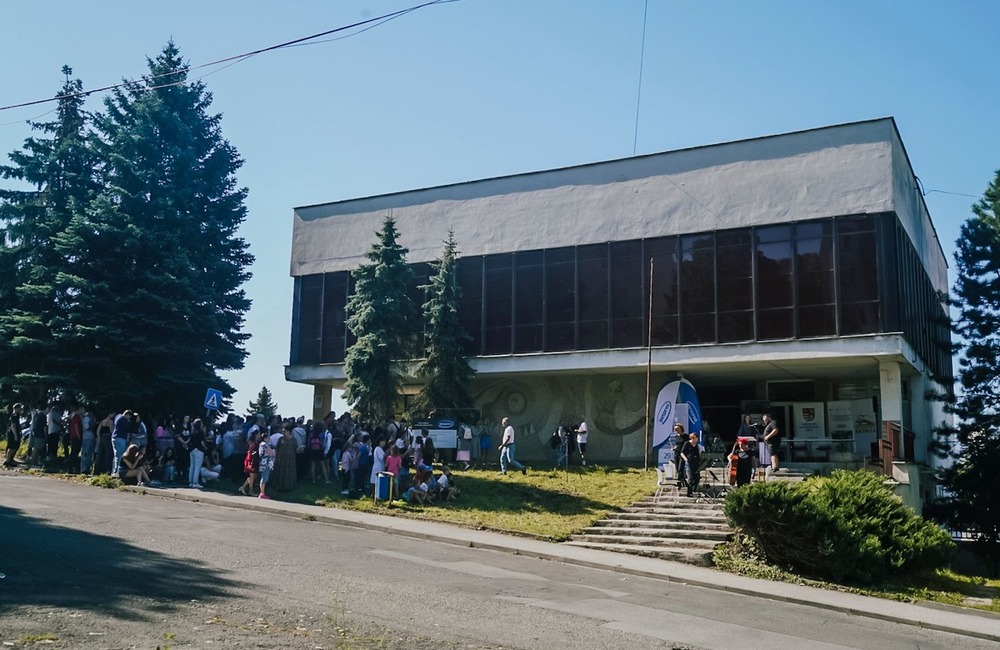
x,y
322,401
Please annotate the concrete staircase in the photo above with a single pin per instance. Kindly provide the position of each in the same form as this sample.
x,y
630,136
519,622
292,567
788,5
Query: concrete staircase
x,y
678,529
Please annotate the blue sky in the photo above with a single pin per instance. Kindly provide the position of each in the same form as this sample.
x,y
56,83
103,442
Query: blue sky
x,y
481,88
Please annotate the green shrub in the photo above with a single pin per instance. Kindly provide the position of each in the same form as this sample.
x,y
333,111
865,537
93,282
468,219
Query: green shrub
x,y
846,527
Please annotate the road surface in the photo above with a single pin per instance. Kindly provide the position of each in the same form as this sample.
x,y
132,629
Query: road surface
x,y
92,568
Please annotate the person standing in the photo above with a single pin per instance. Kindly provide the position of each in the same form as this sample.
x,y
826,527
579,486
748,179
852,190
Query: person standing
x,y
54,422
196,455
266,453
378,463
105,457
75,439
691,453
507,449
679,439
581,441
772,436
89,442
13,436
119,439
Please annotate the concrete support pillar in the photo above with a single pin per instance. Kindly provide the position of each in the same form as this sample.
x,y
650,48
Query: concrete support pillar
x,y
891,390
322,401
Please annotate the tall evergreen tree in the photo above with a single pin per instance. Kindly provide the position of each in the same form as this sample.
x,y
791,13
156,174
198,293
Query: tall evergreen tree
x,y
158,300
382,317
60,172
972,481
444,368
263,405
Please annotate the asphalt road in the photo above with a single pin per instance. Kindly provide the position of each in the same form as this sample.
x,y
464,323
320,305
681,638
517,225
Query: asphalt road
x,y
92,568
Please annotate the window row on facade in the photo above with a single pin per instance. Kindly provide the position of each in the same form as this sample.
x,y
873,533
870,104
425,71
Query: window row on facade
x,y
796,280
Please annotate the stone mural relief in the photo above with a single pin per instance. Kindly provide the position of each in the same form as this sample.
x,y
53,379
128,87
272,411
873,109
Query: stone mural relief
x,y
612,405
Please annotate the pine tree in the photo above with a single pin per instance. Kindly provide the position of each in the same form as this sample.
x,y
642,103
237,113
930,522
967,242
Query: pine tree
x,y
382,317
972,482
158,302
445,368
60,169
263,405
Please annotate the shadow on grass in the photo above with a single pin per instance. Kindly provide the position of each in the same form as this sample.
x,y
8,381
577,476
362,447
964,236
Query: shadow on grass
x,y
53,566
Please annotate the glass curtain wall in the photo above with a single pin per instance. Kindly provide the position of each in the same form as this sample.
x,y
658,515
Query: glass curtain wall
x,y
809,279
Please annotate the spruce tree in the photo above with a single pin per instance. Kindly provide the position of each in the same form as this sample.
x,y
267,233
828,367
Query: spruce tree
x,y
382,317
972,481
59,169
159,304
263,405
444,368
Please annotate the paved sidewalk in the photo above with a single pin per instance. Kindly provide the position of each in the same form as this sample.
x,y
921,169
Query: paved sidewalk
x,y
949,619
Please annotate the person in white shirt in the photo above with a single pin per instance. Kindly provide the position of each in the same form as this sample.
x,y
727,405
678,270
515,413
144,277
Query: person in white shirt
x,y
507,449
581,441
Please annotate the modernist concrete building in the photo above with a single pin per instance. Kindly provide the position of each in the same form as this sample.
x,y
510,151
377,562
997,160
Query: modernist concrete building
x,y
797,272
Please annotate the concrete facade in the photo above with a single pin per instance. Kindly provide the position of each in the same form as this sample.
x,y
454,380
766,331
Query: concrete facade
x,y
826,173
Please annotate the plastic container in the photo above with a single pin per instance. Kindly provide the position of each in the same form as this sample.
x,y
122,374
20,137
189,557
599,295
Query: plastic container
x,y
383,486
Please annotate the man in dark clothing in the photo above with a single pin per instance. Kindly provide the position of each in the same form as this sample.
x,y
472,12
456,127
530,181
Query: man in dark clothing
x,y
691,453
772,436
13,435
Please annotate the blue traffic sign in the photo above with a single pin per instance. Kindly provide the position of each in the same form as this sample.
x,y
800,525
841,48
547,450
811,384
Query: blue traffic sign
x,y
213,399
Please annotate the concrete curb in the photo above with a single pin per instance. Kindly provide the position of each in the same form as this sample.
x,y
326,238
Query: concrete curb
x,y
943,618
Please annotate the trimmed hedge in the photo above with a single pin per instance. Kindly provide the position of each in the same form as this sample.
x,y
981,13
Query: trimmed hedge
x,y
845,527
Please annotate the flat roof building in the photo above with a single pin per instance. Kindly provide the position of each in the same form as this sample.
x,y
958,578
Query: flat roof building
x,y
799,272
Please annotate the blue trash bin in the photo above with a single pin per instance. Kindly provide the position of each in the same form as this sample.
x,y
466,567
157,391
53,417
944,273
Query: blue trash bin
x,y
383,486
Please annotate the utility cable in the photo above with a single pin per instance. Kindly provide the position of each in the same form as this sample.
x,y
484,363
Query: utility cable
x,y
239,57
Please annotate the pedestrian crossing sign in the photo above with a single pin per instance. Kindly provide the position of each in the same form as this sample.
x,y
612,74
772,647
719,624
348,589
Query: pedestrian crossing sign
x,y
213,399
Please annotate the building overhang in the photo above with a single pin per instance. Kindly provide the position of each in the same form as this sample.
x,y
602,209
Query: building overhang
x,y
833,359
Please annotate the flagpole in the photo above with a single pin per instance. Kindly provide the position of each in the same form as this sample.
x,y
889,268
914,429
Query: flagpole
x,y
649,362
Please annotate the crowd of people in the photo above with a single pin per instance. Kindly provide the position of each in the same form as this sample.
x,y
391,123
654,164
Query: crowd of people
x,y
260,454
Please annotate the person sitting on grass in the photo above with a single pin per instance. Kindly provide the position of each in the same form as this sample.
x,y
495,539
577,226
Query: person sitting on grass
x,y
133,466
419,492
446,489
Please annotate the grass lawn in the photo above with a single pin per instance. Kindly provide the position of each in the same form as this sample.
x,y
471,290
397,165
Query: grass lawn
x,y
547,503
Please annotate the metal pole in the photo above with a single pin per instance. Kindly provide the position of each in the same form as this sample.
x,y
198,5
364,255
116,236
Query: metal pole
x,y
649,362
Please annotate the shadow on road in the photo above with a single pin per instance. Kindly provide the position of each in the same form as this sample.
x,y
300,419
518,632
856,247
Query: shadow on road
x,y
52,566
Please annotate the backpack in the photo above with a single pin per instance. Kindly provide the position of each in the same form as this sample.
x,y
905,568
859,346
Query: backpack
x,y
316,442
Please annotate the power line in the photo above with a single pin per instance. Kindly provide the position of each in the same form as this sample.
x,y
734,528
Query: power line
x,y
971,196
638,94
237,58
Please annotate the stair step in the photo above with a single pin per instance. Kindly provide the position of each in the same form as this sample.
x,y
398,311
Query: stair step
x,y
704,532
700,557
681,503
663,524
657,542
687,517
